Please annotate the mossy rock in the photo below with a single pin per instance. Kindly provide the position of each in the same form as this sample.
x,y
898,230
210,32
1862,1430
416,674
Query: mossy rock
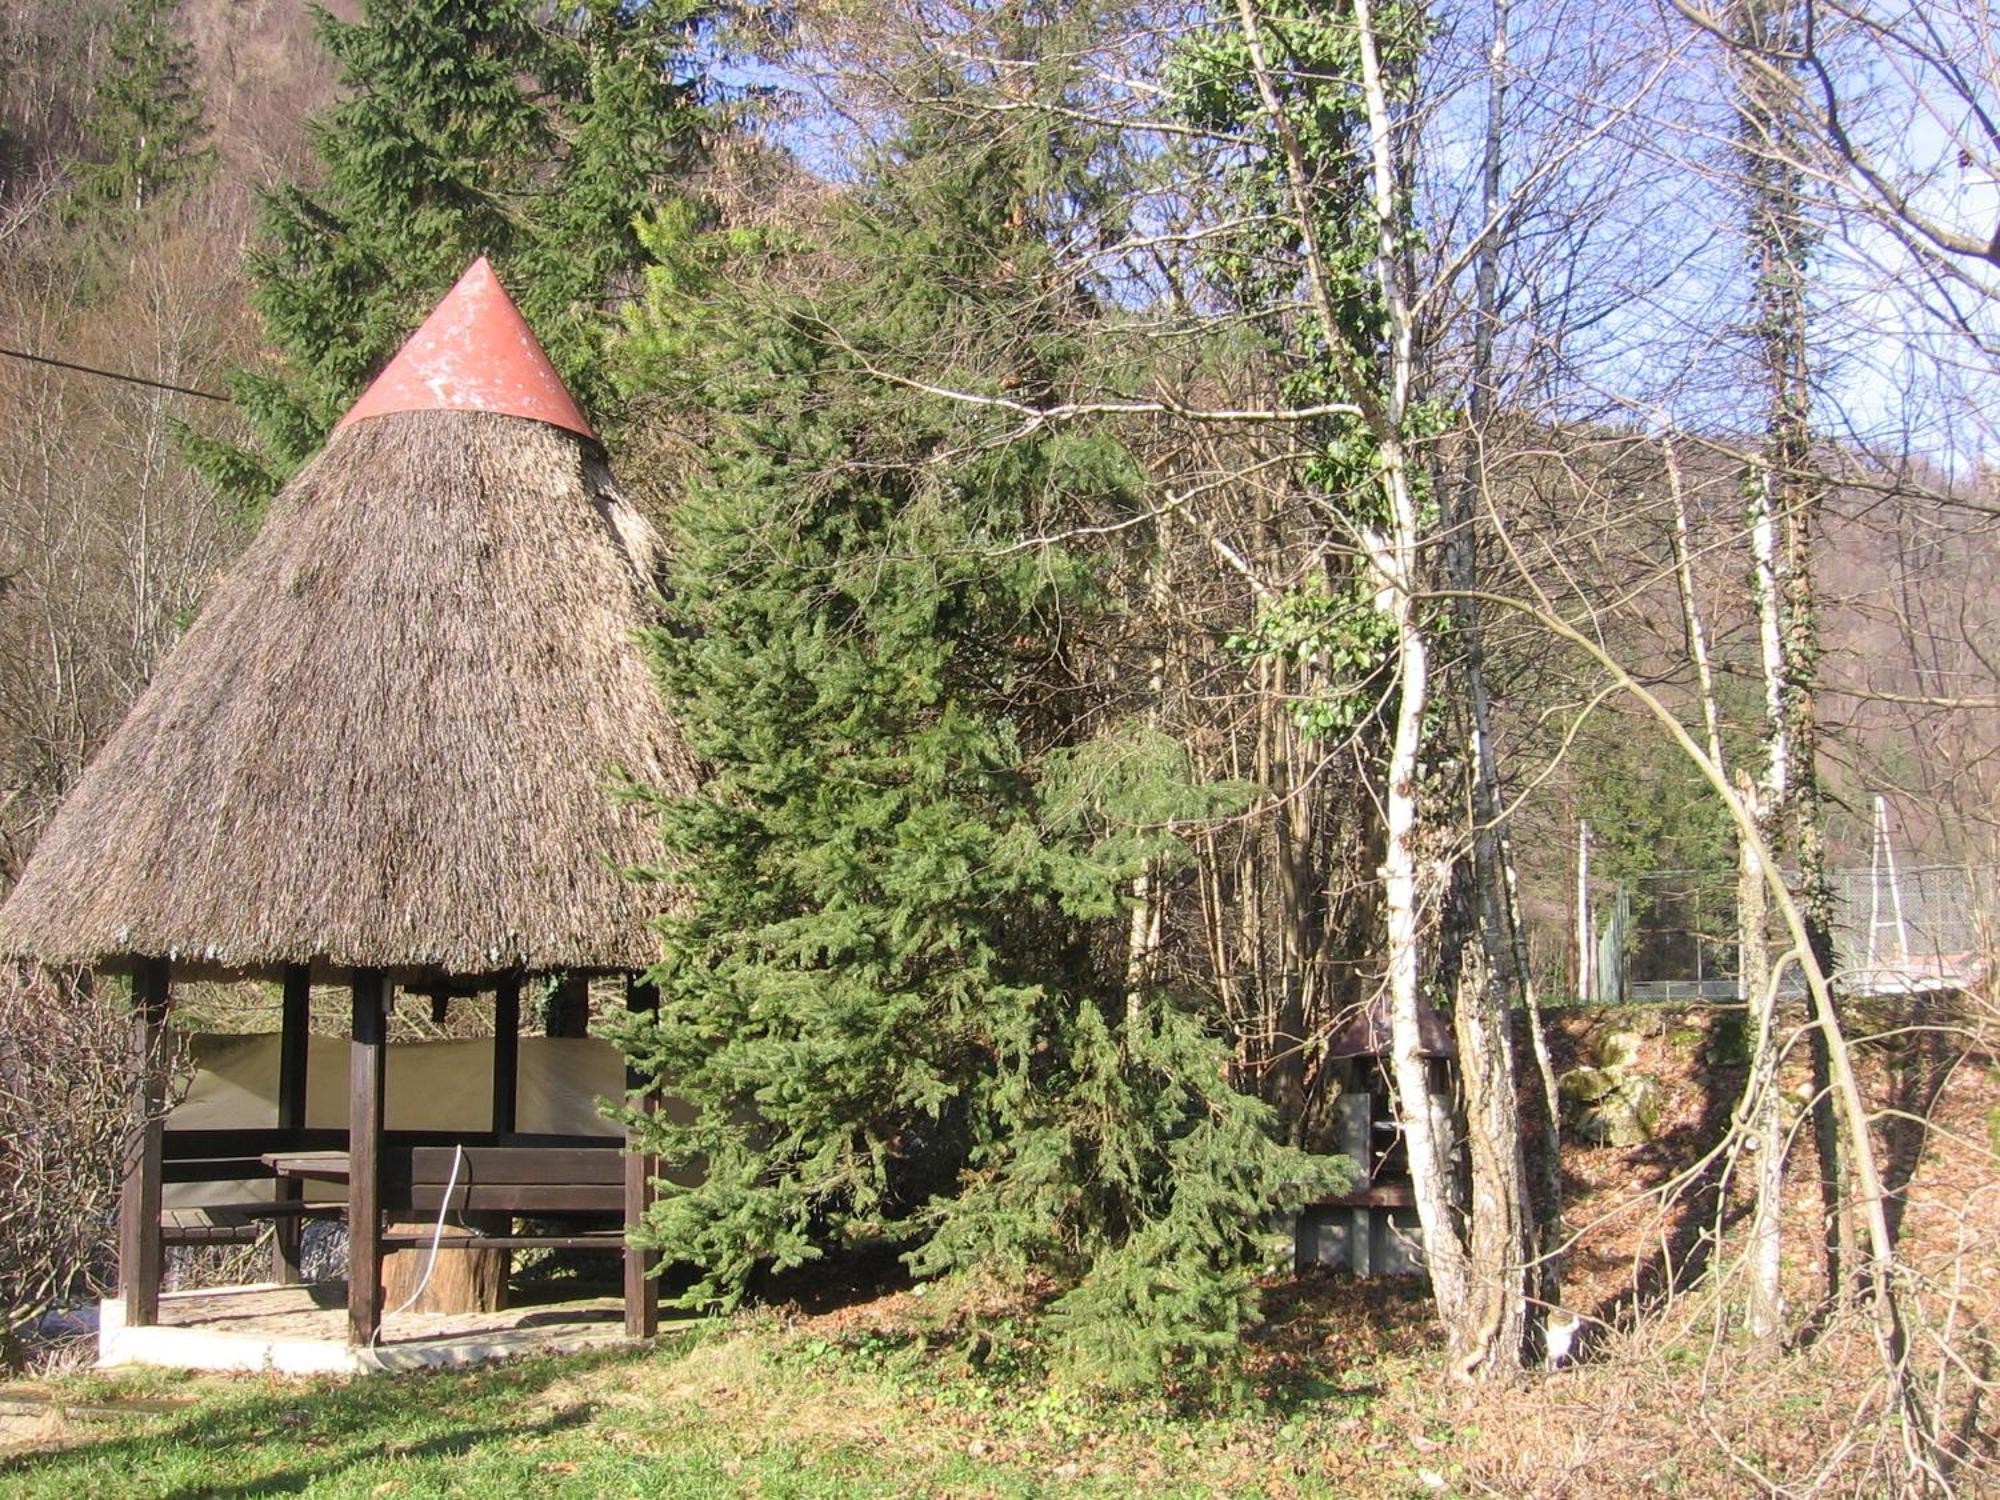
x,y
1617,1050
1627,1115
1586,1085
1646,1097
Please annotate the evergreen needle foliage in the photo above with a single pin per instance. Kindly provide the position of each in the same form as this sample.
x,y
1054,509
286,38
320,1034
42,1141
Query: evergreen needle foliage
x,y
897,1000
470,127
145,127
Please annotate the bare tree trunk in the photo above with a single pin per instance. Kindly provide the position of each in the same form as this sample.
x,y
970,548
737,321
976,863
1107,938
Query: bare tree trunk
x,y
1426,1135
1478,1281
1762,1310
1489,1034
1808,818
1760,1114
1697,635
1143,931
1785,493
1504,1276
1763,1120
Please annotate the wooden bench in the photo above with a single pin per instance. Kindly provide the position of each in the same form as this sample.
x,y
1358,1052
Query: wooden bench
x,y
1375,1195
540,1182
543,1177
237,1223
197,1156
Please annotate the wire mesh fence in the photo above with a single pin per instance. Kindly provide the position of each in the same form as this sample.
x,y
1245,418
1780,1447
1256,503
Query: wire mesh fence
x,y
1913,928
1672,934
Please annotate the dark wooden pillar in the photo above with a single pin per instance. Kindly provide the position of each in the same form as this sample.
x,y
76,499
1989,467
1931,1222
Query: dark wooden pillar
x,y
365,1079
642,1281
294,1044
506,1053
569,1006
140,1249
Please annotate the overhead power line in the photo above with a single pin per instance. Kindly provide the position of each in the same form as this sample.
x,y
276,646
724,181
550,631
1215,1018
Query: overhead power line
x,y
64,364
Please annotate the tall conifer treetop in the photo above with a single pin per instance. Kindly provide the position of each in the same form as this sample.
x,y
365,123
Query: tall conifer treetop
x,y
145,123
898,1000
470,128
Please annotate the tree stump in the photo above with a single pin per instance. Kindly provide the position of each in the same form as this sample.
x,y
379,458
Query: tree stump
x,y
463,1281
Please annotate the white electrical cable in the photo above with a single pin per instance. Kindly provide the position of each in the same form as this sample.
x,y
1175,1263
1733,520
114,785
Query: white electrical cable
x,y
437,1238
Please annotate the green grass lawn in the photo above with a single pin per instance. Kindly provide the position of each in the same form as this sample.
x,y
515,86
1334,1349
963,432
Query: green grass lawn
x,y
724,1409
894,1396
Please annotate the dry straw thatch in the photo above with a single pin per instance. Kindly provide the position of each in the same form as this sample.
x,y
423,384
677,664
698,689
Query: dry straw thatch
x,y
392,737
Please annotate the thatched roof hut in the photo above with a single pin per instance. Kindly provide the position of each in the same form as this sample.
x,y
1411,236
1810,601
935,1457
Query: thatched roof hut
x,y
387,752
392,737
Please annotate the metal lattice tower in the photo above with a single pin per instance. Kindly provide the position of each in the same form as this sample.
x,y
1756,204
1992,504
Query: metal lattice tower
x,y
1881,862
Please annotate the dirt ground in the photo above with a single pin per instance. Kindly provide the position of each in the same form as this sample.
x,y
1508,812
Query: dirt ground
x,y
1669,1398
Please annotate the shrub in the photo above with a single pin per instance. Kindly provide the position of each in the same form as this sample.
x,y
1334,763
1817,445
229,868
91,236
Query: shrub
x,y
67,1075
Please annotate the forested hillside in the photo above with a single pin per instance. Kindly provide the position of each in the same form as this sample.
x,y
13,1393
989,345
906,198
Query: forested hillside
x,y
1177,522
134,141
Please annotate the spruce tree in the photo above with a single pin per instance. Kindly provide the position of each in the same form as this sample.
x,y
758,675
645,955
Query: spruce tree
x,y
145,126
896,995
469,127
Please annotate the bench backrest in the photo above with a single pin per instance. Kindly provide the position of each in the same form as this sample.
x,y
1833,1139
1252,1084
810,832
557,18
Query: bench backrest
x,y
506,1179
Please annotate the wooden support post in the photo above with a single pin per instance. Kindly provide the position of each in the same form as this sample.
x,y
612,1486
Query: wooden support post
x,y
642,1282
141,1251
569,1006
506,1052
1354,1137
365,1079
294,1039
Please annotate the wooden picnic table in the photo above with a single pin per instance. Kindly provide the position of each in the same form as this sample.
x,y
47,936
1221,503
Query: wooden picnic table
x,y
309,1166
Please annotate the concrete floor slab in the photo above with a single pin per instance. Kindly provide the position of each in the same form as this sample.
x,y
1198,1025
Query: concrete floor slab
x,y
302,1330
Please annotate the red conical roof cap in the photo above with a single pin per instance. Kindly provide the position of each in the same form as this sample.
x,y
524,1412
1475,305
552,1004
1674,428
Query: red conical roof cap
x,y
475,352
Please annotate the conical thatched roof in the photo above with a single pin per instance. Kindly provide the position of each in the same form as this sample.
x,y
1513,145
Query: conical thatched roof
x,y
392,736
